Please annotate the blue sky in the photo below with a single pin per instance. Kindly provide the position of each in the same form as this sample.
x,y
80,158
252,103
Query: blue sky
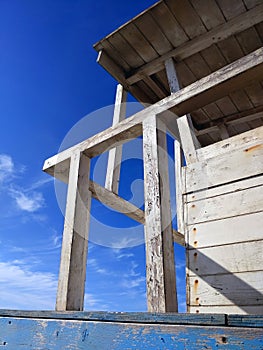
x,y
50,83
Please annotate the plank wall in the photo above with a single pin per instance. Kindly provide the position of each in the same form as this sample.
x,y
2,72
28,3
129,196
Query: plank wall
x,y
223,204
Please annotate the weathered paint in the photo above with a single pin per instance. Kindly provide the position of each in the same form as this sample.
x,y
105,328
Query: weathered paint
x,y
40,333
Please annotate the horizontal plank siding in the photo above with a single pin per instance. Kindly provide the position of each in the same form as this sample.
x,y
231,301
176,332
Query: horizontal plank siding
x,y
233,166
225,206
237,229
238,257
241,289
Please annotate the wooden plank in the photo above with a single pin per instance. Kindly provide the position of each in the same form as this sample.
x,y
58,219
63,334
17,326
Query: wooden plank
x,y
245,321
72,273
220,33
115,154
223,131
209,13
168,24
232,258
225,206
20,333
139,43
228,188
187,17
188,140
226,309
122,317
125,50
241,289
171,75
184,101
225,168
151,30
160,270
231,10
235,229
178,187
246,140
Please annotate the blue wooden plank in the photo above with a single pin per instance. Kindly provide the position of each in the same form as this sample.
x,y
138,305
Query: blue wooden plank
x,y
138,317
23,333
245,320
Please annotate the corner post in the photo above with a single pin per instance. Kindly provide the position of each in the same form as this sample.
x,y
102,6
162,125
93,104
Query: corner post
x,y
115,154
72,274
160,265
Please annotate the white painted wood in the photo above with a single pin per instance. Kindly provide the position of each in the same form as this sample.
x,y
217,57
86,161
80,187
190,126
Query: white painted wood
x,y
224,31
193,96
72,274
240,118
188,139
236,165
178,187
225,206
223,131
171,75
228,309
242,141
160,271
223,189
115,154
242,289
226,231
233,258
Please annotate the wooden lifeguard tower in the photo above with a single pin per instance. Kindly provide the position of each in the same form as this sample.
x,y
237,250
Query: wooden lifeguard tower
x,y
197,66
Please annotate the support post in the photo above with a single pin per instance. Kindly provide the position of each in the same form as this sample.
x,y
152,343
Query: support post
x,y
72,274
179,187
115,154
160,265
188,139
171,75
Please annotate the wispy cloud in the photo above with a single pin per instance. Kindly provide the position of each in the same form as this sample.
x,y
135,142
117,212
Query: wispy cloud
x,y
29,202
22,288
6,167
27,199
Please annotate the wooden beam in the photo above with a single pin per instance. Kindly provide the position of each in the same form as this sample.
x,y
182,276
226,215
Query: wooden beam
x,y
178,187
196,95
160,267
171,75
223,131
115,154
188,139
235,119
222,32
72,274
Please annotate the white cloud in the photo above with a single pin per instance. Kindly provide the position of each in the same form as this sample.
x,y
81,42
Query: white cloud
x,y
22,288
6,167
93,303
27,202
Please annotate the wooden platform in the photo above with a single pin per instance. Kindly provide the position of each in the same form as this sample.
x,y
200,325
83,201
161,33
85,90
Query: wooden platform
x,y
120,331
200,37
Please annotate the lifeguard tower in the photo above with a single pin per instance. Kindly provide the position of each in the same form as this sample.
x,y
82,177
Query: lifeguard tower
x,y
197,66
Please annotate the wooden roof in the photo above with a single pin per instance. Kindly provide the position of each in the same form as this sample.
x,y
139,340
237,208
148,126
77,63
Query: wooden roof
x,y
201,36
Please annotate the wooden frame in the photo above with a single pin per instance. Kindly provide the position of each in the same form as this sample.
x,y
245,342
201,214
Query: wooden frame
x,y
72,166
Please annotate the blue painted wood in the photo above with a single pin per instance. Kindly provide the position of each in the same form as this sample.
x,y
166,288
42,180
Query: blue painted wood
x,y
245,320
56,334
138,317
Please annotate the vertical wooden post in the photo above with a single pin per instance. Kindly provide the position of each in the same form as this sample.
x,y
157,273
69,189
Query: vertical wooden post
x,y
160,267
179,187
115,154
171,75
188,139
72,275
